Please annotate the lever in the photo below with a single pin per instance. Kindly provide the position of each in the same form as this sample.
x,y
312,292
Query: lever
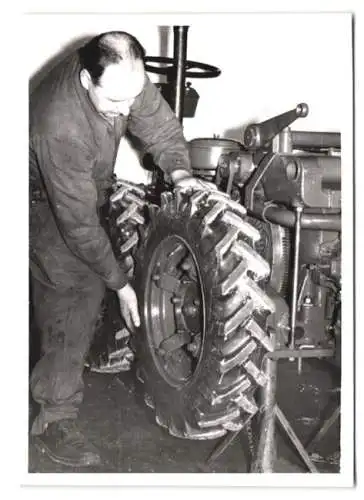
x,y
258,135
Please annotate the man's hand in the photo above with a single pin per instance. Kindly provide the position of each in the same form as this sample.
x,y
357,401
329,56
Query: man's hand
x,y
129,306
184,179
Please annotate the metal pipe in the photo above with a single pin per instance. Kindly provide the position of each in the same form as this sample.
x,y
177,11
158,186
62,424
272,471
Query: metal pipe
x,y
296,257
301,353
303,139
293,437
179,57
324,429
266,451
228,439
286,218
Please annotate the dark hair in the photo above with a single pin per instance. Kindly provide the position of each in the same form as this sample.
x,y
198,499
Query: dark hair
x,y
109,48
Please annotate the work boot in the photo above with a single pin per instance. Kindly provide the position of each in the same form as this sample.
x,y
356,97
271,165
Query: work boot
x,y
65,444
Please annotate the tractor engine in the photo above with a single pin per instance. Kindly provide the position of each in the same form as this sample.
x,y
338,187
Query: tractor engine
x,y
290,184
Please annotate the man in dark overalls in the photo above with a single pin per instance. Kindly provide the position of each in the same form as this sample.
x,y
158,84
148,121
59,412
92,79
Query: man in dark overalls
x,y
78,114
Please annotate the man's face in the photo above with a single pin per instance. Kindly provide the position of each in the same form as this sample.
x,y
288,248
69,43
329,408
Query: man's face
x,y
117,89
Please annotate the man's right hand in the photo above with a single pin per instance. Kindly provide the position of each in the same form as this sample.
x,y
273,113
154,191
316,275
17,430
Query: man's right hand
x,y
185,179
129,306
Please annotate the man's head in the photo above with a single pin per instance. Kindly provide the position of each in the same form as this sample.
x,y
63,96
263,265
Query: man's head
x,y
112,72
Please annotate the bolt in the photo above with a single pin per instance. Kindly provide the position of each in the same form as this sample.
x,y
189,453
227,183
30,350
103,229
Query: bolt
x,y
196,302
160,351
176,300
190,310
155,277
307,300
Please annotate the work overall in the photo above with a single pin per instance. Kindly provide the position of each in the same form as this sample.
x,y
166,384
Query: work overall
x,y
72,156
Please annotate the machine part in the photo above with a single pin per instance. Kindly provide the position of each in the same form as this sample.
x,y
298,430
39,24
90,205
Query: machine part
x,y
266,449
221,160
207,154
313,181
265,456
205,70
274,246
286,218
288,140
203,312
296,257
279,320
295,440
315,306
309,352
179,57
258,135
225,443
315,140
191,98
282,143
328,423
177,69
255,182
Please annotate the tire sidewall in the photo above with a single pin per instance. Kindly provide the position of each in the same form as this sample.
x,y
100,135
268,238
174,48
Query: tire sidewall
x,y
182,399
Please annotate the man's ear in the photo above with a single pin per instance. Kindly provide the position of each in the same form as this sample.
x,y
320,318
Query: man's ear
x,y
85,78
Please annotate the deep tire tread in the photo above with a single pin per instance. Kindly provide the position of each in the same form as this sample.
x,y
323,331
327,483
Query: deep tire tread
x,y
226,393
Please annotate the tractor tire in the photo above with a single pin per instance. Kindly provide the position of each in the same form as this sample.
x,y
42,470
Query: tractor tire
x,y
203,308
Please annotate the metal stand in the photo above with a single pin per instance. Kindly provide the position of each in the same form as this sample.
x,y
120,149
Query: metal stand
x,y
324,429
265,454
266,449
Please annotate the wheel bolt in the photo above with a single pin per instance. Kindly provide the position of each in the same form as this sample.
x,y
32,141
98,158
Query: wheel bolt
x,y
190,310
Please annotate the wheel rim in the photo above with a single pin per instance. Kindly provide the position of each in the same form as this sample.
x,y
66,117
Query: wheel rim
x,y
174,311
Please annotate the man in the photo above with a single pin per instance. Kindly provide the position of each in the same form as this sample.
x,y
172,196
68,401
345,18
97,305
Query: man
x,y
78,114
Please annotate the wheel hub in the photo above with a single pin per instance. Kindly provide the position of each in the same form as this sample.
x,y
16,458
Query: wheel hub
x,y
174,310
187,306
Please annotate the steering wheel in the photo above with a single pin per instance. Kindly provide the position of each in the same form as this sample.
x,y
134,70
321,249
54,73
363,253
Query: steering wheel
x,y
207,71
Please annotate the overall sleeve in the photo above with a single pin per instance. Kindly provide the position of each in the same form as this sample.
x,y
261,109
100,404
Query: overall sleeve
x,y
155,125
66,168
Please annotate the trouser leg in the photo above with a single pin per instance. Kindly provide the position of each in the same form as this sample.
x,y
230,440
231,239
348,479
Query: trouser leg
x,y
66,319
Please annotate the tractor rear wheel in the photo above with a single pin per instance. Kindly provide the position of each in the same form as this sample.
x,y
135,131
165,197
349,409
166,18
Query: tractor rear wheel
x,y
200,347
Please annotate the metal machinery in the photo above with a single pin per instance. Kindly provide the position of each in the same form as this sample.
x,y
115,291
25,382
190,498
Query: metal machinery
x,y
234,280
290,184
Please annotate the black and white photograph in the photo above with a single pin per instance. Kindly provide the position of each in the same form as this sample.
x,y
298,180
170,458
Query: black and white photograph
x,y
190,248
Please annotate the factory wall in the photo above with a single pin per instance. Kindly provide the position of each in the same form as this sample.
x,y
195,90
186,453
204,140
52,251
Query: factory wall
x,y
269,63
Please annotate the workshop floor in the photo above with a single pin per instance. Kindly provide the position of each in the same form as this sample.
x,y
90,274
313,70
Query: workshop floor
x,y
116,419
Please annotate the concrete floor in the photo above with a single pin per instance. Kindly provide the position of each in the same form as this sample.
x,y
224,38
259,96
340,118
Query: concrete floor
x,y
116,419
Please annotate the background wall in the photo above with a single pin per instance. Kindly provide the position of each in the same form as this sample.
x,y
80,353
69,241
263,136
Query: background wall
x,y
269,63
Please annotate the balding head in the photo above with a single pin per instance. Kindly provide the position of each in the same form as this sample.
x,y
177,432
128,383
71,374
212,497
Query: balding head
x,y
110,48
112,72
125,45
